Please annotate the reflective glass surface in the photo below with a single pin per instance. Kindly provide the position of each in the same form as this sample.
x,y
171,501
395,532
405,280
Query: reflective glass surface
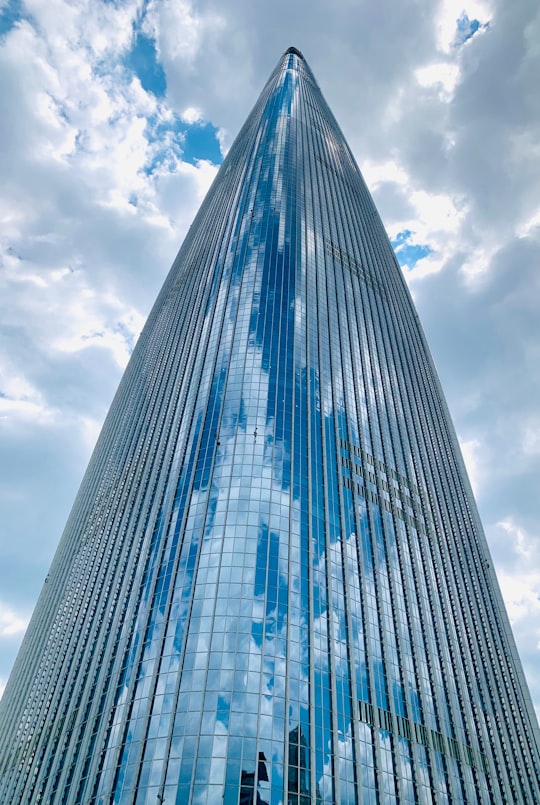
x,y
274,587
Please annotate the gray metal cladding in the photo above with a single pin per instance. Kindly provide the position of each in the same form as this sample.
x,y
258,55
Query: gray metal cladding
x,y
274,586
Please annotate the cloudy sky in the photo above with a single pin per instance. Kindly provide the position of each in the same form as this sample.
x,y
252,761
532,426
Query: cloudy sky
x,y
113,119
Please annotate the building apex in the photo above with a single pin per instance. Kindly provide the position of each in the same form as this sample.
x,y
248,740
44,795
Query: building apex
x,y
295,51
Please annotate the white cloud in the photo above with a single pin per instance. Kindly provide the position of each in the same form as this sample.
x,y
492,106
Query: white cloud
x,y
192,115
520,583
530,436
450,11
528,227
181,30
521,541
388,171
11,622
470,450
436,212
225,140
443,74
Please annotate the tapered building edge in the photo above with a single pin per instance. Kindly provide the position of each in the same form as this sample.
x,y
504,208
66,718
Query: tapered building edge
x,y
148,441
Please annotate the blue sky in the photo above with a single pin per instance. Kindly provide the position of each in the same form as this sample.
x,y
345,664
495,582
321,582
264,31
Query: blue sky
x,y
143,60
408,252
9,15
196,140
113,120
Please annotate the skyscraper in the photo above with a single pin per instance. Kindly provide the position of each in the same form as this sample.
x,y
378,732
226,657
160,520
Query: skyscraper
x,y
273,586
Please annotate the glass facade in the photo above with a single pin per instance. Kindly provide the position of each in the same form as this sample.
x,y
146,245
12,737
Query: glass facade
x,y
273,586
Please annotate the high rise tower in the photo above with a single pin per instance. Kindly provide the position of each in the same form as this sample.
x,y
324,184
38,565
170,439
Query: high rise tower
x,y
273,586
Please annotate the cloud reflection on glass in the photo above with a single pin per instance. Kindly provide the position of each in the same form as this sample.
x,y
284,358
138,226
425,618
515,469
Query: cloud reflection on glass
x,y
282,614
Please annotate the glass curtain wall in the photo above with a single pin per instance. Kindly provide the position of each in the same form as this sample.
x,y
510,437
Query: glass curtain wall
x,y
273,587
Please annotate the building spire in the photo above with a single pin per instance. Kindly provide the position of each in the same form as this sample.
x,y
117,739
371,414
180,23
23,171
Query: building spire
x,y
295,51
